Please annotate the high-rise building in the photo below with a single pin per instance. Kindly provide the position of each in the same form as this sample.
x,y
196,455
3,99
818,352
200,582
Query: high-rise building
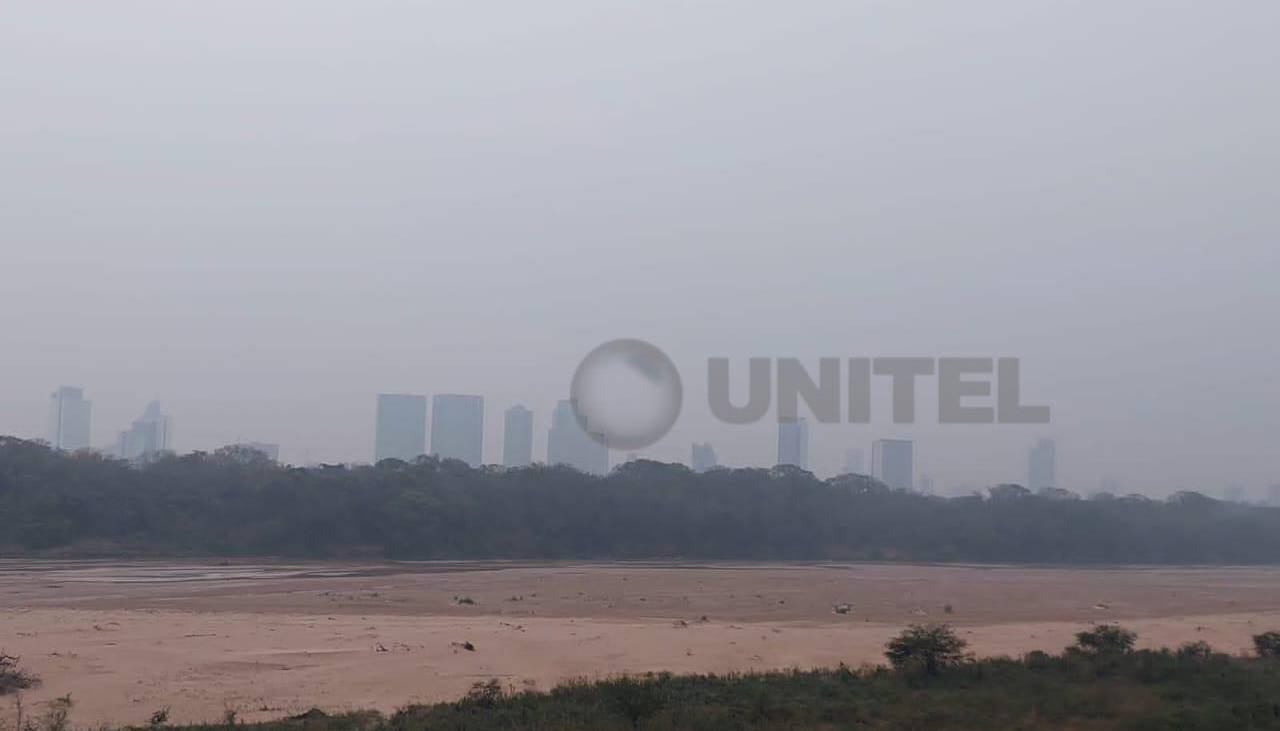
x,y
401,428
69,416
517,437
1234,493
893,462
1042,465
568,444
793,443
149,435
1273,496
457,427
855,461
703,457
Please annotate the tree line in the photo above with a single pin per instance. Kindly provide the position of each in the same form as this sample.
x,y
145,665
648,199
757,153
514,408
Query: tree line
x,y
236,502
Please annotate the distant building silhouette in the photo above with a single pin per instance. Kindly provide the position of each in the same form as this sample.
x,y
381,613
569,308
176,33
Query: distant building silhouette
x,y
69,418
401,430
457,427
703,457
517,437
793,443
893,462
1234,493
855,461
926,485
271,450
568,444
150,434
1042,465
1273,496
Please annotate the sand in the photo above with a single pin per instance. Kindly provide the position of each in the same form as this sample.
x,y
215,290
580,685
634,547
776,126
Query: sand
x,y
270,639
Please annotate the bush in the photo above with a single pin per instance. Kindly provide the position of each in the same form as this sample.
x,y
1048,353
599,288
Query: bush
x,y
930,648
484,694
12,677
636,699
1268,645
1106,640
1198,651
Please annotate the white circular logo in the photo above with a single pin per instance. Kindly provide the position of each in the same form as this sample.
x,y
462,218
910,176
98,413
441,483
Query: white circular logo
x,y
626,394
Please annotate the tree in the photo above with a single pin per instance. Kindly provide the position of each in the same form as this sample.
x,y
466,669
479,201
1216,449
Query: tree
x,y
1198,651
1008,491
1105,640
928,648
1268,645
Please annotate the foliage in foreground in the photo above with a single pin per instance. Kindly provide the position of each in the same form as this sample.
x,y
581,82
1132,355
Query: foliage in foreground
x,y
1115,687
926,648
12,677
236,502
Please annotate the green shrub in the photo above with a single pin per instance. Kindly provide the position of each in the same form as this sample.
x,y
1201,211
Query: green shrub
x,y
1267,645
929,648
1106,640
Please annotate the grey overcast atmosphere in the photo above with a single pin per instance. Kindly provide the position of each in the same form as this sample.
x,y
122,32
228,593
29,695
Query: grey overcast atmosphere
x,y
264,214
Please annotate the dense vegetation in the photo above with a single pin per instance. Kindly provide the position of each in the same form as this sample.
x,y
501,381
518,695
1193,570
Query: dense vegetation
x,y
1100,683
236,502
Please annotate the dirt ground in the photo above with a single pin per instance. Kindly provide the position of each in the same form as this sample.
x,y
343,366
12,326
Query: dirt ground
x,y
268,639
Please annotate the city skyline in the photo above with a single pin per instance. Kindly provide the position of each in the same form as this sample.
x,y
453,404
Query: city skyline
x,y
152,432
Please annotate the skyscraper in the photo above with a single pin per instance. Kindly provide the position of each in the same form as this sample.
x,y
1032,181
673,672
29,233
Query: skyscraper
x,y
568,444
69,416
401,429
149,434
1042,465
793,443
703,457
517,437
893,462
457,427
855,461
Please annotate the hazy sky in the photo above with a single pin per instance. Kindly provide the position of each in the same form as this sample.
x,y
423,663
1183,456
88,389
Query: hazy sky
x,y
263,213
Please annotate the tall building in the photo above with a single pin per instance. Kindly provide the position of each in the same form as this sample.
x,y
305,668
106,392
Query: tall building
x,y
703,457
69,416
1042,465
401,429
893,462
855,461
517,437
1234,493
457,427
150,434
1273,496
568,444
793,443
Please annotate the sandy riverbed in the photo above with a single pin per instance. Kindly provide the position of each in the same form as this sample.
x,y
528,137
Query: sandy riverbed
x,y
127,638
